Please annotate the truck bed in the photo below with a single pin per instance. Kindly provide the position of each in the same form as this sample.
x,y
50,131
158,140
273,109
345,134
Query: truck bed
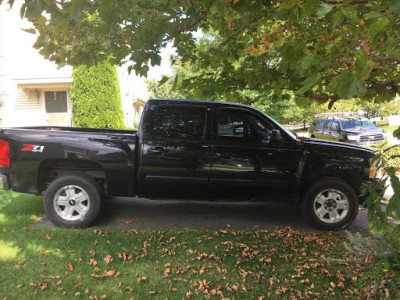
x,y
40,154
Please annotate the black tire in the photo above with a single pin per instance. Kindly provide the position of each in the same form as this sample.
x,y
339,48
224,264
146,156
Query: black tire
x,y
73,201
330,204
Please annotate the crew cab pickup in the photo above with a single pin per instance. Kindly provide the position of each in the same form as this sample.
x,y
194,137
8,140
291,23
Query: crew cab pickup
x,y
185,149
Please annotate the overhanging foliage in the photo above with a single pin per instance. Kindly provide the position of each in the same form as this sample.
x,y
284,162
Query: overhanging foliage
x,y
323,50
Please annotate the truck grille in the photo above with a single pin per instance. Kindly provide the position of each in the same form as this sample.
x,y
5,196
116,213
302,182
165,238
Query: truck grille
x,y
372,138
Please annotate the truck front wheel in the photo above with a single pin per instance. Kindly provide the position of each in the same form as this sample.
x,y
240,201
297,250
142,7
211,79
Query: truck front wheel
x,y
330,204
73,201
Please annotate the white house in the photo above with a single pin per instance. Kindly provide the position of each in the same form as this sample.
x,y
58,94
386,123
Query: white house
x,y
34,92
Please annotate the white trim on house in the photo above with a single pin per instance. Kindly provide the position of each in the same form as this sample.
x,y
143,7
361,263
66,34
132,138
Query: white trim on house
x,y
28,107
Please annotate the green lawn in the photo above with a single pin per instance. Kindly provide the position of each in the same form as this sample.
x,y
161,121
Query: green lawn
x,y
389,128
174,264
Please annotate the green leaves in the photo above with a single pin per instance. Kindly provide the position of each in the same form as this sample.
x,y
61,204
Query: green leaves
x,y
324,9
351,13
309,83
289,45
363,66
349,86
379,25
310,7
393,208
32,9
337,19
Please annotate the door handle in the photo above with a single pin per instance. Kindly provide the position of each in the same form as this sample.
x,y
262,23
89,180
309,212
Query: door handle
x,y
156,150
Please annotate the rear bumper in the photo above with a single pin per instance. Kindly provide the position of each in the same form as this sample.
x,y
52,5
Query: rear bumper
x,y
4,185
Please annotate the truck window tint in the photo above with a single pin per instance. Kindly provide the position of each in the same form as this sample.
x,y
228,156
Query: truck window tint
x,y
176,122
238,126
231,125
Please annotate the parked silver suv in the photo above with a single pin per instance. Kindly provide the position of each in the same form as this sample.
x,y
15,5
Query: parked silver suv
x,y
351,130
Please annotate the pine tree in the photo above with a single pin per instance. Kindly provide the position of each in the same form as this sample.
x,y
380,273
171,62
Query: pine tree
x,y
96,97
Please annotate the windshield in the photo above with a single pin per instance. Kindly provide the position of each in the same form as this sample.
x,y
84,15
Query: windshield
x,y
349,124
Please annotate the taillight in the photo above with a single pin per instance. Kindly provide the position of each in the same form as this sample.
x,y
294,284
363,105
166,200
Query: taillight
x,y
4,154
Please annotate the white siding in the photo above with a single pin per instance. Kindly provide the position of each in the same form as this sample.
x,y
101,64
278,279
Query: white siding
x,y
29,100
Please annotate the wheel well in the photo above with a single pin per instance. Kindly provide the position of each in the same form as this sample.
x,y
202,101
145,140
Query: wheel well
x,y
353,179
54,168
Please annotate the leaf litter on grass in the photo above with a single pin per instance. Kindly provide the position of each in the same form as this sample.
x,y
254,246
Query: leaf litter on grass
x,y
188,264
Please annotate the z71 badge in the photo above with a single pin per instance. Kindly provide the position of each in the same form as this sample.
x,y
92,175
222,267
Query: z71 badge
x,y
33,148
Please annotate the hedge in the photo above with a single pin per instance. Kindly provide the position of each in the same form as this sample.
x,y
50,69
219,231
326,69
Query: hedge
x,y
96,97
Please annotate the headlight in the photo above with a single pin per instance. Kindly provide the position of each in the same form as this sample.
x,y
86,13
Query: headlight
x,y
353,138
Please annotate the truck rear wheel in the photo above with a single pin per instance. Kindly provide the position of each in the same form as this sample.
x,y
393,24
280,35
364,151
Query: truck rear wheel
x,y
73,201
330,204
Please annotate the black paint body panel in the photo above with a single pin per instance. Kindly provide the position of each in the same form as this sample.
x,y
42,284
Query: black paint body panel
x,y
157,164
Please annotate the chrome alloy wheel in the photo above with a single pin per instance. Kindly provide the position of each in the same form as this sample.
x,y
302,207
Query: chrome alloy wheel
x,y
331,206
71,203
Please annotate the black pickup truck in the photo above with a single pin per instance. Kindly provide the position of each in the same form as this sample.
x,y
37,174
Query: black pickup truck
x,y
185,149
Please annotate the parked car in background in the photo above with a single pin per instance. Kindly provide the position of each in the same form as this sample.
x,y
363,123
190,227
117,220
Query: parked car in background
x,y
358,131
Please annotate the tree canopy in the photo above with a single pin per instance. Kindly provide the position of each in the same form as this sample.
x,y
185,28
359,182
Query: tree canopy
x,y
324,50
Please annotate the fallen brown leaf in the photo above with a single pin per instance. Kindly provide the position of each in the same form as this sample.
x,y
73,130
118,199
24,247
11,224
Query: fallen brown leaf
x,y
48,237
108,259
42,286
69,266
189,294
110,273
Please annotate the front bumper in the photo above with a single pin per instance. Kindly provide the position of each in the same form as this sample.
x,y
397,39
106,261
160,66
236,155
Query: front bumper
x,y
4,185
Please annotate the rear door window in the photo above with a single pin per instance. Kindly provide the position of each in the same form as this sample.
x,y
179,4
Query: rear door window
x,y
175,122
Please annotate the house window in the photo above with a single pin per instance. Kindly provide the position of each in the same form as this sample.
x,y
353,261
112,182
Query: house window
x,y
56,102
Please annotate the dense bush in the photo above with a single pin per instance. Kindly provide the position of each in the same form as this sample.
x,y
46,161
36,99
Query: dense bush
x,y
381,218
392,157
96,97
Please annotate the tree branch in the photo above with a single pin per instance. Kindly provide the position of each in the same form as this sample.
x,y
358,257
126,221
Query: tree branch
x,y
322,98
334,2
